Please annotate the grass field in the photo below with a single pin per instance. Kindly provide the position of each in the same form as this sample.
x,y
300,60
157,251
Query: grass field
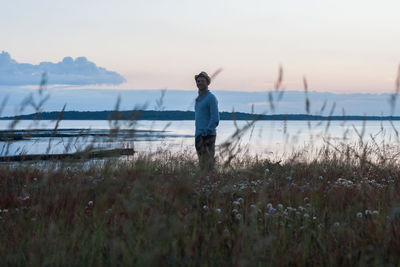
x,y
161,210
337,207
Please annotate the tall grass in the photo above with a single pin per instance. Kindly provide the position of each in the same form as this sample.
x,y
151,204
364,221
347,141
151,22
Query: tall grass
x,y
340,207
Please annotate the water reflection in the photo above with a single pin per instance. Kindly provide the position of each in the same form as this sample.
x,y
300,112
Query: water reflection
x,y
276,138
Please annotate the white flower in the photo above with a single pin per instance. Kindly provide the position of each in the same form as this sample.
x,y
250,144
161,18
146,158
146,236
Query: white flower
x,y
252,206
25,197
238,216
240,200
321,178
314,218
359,215
306,215
235,211
205,208
271,210
336,224
368,212
306,199
269,205
236,203
218,210
375,212
280,206
90,203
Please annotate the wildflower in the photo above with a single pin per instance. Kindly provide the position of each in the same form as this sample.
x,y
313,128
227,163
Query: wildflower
x,y
301,208
235,211
269,205
320,177
271,210
240,200
314,218
236,203
238,216
25,198
336,224
359,215
5,210
306,199
368,212
266,170
308,205
280,206
35,179
252,206
218,210
205,208
375,212
306,215
289,178
90,203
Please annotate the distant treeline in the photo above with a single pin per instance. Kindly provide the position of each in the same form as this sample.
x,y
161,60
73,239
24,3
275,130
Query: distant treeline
x,y
180,115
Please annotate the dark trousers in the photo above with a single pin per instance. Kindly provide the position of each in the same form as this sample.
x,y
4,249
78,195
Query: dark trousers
x,y
205,148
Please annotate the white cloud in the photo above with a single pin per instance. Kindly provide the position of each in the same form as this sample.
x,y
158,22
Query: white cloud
x,y
68,71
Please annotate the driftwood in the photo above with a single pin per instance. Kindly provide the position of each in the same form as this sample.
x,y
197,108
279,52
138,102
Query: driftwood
x,y
76,155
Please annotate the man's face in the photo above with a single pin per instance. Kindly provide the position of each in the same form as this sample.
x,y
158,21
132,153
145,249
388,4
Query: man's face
x,y
201,83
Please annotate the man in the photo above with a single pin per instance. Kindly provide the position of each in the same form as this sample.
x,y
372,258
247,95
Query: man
x,y
207,120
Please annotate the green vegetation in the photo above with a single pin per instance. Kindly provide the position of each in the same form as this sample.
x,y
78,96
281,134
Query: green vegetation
x,y
335,207
161,210
183,115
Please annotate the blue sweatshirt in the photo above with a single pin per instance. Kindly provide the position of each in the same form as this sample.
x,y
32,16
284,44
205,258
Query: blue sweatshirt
x,y
206,114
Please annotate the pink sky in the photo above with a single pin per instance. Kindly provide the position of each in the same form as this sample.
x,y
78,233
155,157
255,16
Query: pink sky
x,y
340,46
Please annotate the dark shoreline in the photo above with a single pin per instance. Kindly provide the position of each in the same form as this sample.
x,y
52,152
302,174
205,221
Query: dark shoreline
x,y
174,115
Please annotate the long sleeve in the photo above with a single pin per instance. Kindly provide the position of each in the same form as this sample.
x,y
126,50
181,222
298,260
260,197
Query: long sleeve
x,y
214,115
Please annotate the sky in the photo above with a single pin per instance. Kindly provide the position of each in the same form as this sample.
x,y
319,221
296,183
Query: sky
x,y
339,46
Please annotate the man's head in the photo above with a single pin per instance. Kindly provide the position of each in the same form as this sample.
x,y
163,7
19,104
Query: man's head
x,y
202,80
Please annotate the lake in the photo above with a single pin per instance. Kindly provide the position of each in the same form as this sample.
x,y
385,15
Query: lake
x,y
267,138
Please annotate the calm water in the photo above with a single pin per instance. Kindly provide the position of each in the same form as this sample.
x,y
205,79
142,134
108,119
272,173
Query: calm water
x,y
266,137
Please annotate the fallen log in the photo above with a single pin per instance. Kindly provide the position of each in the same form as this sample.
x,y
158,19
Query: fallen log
x,y
76,155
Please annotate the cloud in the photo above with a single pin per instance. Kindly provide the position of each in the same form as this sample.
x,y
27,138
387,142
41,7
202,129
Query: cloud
x,y
68,71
